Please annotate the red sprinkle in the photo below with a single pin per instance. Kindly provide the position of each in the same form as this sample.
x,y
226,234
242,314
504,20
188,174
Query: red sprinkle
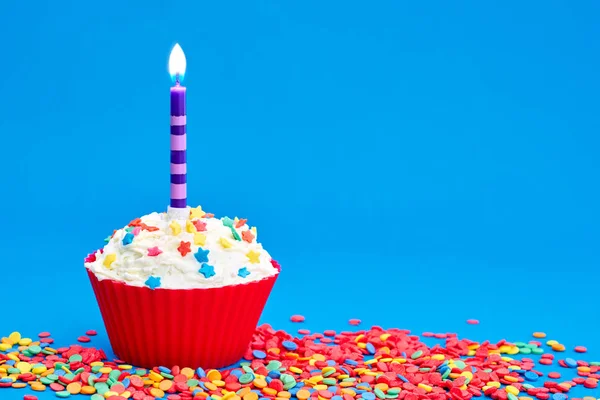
x,y
91,332
554,375
580,349
44,334
473,321
297,318
83,339
354,322
30,397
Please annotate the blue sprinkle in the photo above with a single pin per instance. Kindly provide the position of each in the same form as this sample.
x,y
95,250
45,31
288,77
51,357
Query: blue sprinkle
x,y
531,376
196,391
127,239
243,272
403,354
350,362
59,372
163,369
6,380
202,255
571,364
126,382
274,374
11,362
370,348
331,363
345,370
337,398
403,379
289,345
299,385
368,396
200,372
559,396
207,270
42,345
201,384
236,372
268,379
259,354
293,391
153,282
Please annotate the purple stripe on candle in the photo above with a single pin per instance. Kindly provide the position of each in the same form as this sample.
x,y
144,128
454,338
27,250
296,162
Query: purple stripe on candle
x,y
178,203
178,130
178,156
179,178
177,169
178,142
178,121
178,190
177,100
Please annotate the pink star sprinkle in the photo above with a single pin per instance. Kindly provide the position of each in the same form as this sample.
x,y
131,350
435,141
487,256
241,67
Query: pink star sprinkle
x,y
154,251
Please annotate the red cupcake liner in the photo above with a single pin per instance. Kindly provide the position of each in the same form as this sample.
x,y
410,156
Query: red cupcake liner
x,y
211,328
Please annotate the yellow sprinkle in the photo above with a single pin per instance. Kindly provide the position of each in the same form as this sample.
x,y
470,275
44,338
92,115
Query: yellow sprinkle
x,y
386,360
511,378
125,366
4,346
188,372
551,342
512,389
253,256
189,227
438,357
295,370
199,239
371,361
109,259
471,353
24,367
362,345
94,364
64,368
315,379
175,228
351,392
493,384
197,212
110,393
39,370
226,244
385,336
527,398
25,342
425,387
467,374
359,337
105,370
155,377
371,373
15,337
320,387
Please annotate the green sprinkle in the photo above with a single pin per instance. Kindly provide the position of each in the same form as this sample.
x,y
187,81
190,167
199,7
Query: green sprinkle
x,y
52,377
393,390
75,358
524,350
391,396
273,365
446,374
111,381
520,344
247,369
424,369
236,236
246,378
101,388
329,381
595,363
91,380
512,397
244,364
528,386
97,397
537,350
379,393
96,369
46,381
460,364
140,371
14,370
47,352
36,350
228,222
193,383
168,376
417,354
114,374
63,395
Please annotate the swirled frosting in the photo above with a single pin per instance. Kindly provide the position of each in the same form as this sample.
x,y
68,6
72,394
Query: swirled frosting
x,y
199,251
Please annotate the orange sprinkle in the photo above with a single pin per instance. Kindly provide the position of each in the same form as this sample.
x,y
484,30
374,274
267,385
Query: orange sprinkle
x,y
539,335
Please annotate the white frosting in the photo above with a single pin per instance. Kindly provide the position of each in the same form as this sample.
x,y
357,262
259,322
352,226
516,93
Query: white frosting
x,y
134,264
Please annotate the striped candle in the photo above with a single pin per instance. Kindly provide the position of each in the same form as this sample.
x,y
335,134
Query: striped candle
x,y
178,131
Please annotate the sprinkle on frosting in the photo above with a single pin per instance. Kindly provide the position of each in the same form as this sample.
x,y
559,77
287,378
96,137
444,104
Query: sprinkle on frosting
x,y
243,272
154,251
184,248
153,282
207,270
156,246
253,256
197,213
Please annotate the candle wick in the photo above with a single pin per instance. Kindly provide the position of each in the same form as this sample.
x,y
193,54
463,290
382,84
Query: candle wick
x,y
177,79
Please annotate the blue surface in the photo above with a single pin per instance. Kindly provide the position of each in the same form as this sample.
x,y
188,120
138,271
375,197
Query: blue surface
x,y
409,164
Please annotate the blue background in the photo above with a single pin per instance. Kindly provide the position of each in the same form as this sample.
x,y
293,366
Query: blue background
x,y
411,164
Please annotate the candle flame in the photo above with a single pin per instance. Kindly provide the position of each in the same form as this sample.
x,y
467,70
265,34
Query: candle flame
x,y
177,63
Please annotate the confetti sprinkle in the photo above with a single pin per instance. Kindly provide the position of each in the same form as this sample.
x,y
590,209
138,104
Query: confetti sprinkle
x,y
184,248
153,282
202,255
253,256
207,270
228,222
240,222
154,251
297,318
199,225
243,272
235,235
354,322
473,321
197,213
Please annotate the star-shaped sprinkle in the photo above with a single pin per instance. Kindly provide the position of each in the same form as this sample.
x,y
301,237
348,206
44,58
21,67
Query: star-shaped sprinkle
x,y
153,282
236,236
228,222
107,239
243,272
225,243
184,248
253,256
196,212
209,215
109,259
207,270
129,229
154,251
199,239
127,239
175,227
189,227
135,222
136,231
241,223
200,226
148,228
248,236
202,255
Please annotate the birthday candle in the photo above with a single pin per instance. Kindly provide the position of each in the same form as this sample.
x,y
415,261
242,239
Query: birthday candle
x,y
177,64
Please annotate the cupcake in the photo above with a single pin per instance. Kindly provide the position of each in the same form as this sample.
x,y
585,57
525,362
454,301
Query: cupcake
x,y
184,291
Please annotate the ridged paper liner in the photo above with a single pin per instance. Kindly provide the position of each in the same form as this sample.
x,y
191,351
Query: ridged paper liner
x,y
187,327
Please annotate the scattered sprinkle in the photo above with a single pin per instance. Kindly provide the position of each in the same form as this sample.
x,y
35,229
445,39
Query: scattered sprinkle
x,y
243,272
207,270
253,256
297,318
197,213
109,259
184,248
202,255
154,251
153,282
247,236
175,228
473,321
226,244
